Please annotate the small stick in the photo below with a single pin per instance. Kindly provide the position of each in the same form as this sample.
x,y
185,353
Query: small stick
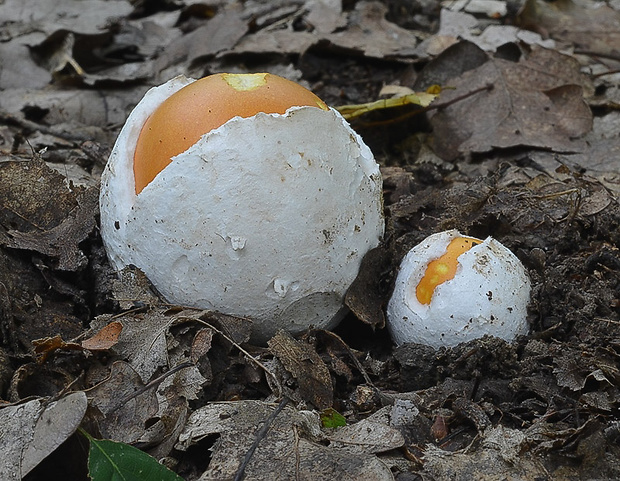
x,y
154,383
246,353
260,434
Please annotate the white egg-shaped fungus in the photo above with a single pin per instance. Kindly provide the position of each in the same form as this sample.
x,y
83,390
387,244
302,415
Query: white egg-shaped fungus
x,y
266,217
451,289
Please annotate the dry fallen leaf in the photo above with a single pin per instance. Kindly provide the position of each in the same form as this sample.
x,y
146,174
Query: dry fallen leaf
x,y
44,347
535,102
288,451
123,404
372,435
142,341
305,365
31,431
589,26
105,338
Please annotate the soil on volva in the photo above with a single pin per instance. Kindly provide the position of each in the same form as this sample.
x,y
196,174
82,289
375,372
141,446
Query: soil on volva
x,y
554,392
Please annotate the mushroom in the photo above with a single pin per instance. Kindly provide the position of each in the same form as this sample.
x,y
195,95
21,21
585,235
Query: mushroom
x,y
264,210
451,289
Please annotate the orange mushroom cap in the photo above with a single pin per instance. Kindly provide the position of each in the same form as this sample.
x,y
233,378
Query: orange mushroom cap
x,y
204,105
443,268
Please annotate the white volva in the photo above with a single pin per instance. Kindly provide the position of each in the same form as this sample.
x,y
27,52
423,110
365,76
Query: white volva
x,y
488,295
266,217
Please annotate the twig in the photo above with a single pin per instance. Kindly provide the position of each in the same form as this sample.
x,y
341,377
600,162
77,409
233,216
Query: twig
x,y
355,360
591,53
260,434
154,383
246,353
434,106
443,105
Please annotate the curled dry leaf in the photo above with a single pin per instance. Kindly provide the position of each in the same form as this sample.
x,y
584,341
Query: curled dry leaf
x,y
201,344
367,294
44,347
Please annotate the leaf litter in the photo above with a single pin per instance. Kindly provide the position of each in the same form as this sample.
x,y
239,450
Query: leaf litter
x,y
521,144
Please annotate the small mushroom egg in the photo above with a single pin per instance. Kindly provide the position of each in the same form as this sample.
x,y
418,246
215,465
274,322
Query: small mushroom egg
x,y
451,288
244,194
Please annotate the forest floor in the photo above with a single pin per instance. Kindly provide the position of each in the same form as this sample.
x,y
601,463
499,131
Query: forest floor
x,y
522,144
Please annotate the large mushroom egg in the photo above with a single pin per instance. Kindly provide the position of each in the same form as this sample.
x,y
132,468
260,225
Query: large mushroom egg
x,y
243,194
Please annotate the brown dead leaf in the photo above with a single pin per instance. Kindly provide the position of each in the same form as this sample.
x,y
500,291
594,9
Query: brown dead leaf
x,y
305,365
367,294
61,242
142,341
33,197
368,31
74,114
496,456
373,434
123,404
280,41
587,26
105,338
221,33
535,102
454,25
201,344
573,370
325,16
44,347
73,15
31,431
365,31
24,71
133,289
288,451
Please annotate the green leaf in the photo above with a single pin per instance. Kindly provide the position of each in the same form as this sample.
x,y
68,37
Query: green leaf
x,y
111,461
330,418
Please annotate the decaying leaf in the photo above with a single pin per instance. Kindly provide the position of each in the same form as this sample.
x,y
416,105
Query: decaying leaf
x,y
536,102
105,338
422,99
305,365
132,288
29,432
142,341
61,243
591,27
44,347
455,25
499,456
123,403
369,285
372,435
286,452
201,344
